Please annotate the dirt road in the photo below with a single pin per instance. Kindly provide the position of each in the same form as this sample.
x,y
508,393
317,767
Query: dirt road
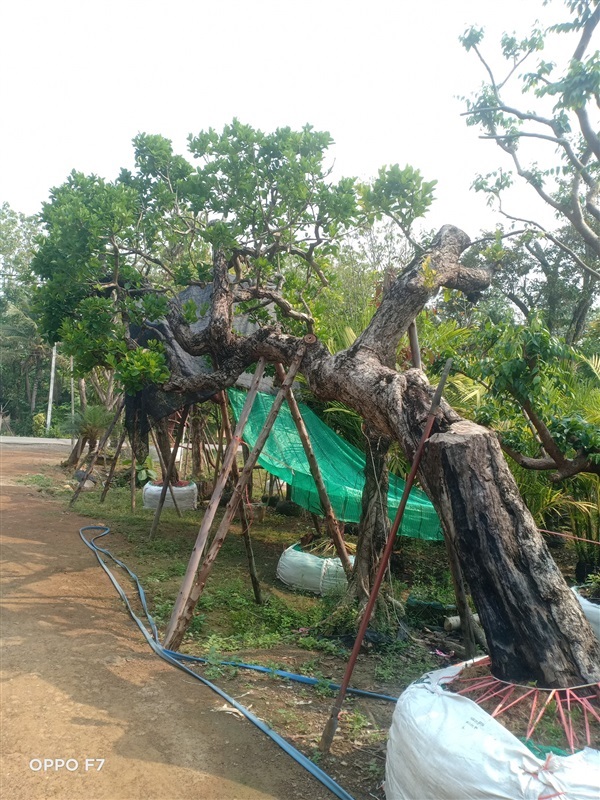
x,y
78,683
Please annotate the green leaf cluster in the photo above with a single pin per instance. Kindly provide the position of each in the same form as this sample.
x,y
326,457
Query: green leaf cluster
x,y
140,367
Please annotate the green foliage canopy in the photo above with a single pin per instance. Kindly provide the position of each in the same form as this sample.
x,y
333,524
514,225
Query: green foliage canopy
x,y
115,254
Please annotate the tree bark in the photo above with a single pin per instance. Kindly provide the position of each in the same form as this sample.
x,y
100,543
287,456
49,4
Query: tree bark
x,y
82,395
75,454
531,618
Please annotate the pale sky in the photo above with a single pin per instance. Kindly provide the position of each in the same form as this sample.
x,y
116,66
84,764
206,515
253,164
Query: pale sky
x,y
79,79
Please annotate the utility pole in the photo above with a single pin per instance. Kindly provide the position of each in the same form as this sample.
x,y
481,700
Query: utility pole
x,y
51,392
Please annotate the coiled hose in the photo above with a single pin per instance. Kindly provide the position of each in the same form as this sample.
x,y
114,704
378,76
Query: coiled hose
x,y
175,659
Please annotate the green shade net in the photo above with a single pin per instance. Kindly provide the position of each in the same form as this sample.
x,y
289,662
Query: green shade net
x,y
341,464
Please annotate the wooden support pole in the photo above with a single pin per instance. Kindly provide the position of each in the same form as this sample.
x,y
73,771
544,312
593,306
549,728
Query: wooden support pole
x,y
100,447
246,453
331,523
196,437
186,602
167,477
462,603
316,523
235,474
164,472
415,350
209,515
113,466
219,453
210,447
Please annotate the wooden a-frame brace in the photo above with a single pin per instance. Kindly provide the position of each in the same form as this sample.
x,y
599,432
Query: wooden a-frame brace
x,y
167,478
222,400
195,579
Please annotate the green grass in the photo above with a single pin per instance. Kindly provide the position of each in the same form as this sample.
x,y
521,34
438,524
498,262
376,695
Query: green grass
x,y
41,481
227,620
401,663
227,617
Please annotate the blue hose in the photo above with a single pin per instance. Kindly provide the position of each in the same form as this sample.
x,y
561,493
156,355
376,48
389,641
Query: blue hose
x,y
175,659
281,673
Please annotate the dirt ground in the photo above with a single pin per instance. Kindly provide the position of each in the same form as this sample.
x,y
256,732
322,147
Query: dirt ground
x,y
79,685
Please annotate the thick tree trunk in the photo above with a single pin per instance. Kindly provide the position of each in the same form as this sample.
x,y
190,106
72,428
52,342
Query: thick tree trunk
x,y
533,623
34,388
163,441
532,618
75,454
82,395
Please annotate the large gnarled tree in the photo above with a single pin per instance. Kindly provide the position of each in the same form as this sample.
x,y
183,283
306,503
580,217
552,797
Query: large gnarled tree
x,y
263,205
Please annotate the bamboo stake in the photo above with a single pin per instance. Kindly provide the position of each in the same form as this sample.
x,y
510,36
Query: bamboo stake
x,y
331,523
95,455
185,608
209,515
243,509
164,472
167,477
113,467
331,726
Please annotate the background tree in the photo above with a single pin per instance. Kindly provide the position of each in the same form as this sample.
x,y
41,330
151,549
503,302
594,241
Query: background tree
x,y
534,278
24,355
565,123
17,244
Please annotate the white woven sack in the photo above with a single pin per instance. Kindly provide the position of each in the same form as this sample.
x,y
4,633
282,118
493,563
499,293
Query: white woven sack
x,y
590,610
186,496
311,573
443,746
